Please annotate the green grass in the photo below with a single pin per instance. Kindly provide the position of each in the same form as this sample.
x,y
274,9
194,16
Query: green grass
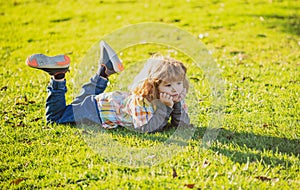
x,y
256,44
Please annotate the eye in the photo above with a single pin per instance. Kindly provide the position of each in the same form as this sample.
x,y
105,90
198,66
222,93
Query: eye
x,y
168,85
179,83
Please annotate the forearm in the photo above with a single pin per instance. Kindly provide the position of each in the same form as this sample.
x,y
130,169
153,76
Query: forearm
x,y
179,115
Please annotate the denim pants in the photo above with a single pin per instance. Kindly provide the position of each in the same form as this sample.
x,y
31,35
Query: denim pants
x,y
83,109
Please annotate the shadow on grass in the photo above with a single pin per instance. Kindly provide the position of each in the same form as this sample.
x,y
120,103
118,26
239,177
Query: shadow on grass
x,y
127,133
259,144
288,24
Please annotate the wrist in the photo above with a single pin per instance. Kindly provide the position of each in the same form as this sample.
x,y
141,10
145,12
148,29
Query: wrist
x,y
177,105
160,103
169,104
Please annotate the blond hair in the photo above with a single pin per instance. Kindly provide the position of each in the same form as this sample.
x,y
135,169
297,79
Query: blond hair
x,y
161,69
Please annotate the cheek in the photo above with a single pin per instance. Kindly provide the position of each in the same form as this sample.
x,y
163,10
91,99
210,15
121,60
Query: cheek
x,y
179,88
162,89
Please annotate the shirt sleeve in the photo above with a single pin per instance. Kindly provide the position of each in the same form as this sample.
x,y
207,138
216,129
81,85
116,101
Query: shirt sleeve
x,y
179,114
149,118
158,120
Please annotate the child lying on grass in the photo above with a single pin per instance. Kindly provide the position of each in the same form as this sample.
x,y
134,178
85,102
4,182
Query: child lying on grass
x,y
147,108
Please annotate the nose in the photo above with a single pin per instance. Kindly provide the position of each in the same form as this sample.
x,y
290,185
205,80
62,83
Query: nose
x,y
174,89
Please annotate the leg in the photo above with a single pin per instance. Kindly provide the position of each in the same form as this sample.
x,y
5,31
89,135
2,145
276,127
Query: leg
x,y
56,66
84,107
109,63
56,109
84,111
96,86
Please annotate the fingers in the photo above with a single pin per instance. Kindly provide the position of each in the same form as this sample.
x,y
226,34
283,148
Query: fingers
x,y
166,99
166,96
182,95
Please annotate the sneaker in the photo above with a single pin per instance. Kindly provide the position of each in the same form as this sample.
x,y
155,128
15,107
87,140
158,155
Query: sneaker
x,y
52,65
109,59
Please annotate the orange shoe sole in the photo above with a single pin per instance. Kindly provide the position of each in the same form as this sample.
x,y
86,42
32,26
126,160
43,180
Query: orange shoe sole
x,y
33,62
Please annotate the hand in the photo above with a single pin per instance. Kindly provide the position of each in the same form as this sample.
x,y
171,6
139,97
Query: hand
x,y
166,99
182,95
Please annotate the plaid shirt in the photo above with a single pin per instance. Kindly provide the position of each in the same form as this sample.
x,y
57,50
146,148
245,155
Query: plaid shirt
x,y
125,109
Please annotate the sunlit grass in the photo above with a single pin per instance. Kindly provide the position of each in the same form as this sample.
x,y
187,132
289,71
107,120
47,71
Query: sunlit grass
x,y
255,44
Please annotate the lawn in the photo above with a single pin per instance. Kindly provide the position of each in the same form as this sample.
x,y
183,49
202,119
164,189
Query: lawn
x,y
254,44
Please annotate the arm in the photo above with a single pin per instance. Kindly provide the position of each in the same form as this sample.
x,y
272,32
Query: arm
x,y
161,116
158,120
166,108
179,114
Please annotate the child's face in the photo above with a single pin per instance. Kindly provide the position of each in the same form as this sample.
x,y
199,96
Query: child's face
x,y
173,89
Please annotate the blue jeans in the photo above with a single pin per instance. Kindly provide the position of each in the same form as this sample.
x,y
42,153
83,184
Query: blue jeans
x,y
83,109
